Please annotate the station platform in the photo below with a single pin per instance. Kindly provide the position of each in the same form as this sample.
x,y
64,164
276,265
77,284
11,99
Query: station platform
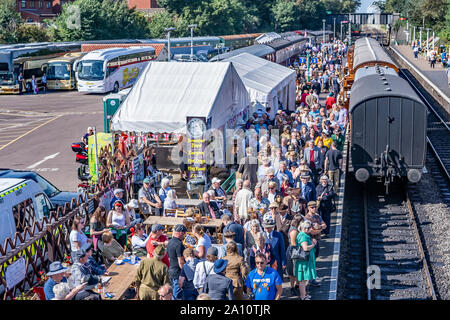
x,y
437,75
327,264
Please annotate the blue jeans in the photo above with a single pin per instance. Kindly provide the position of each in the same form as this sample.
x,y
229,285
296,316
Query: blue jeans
x,y
176,289
189,294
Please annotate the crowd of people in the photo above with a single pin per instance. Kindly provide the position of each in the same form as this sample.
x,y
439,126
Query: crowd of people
x,y
284,195
432,57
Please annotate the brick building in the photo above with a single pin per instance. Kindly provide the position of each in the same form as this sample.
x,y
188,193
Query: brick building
x,y
37,10
147,6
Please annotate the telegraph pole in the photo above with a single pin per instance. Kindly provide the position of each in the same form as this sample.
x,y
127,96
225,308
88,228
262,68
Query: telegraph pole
x,y
334,29
349,30
168,30
192,26
323,21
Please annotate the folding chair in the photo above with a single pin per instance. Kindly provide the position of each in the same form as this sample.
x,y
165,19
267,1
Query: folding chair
x,y
141,212
180,213
170,212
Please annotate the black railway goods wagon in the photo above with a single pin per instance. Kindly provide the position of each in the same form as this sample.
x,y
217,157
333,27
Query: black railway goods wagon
x,y
388,124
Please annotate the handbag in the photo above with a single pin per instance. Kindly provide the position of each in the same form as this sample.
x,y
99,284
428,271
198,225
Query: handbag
x,y
297,253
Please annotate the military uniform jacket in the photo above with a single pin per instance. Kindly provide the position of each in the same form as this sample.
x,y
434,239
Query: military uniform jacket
x,y
152,273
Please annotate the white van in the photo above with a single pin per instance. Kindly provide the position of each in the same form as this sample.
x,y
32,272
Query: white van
x,y
22,202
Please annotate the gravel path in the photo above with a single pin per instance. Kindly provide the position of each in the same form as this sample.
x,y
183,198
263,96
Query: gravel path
x,y
434,221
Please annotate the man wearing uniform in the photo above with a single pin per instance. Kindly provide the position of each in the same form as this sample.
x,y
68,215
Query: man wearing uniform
x,y
151,275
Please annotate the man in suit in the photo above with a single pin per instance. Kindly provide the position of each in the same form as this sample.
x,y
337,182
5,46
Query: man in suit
x,y
248,167
208,208
315,85
283,221
275,239
313,157
307,188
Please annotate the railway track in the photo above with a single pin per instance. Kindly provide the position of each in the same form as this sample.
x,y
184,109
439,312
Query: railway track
x,y
386,256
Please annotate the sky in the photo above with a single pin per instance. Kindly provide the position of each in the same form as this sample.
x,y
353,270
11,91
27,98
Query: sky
x,y
364,5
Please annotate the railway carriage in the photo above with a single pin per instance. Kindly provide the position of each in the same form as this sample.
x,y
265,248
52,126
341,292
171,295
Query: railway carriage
x,y
388,120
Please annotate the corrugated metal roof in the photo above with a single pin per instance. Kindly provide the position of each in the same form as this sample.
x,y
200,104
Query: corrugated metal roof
x,y
240,36
374,86
88,47
279,44
369,50
259,50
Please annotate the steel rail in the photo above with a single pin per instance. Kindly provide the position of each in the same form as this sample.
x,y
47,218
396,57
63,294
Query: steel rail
x,y
366,242
425,266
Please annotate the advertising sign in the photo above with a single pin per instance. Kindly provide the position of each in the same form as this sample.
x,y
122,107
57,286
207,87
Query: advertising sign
x,y
196,140
138,168
103,139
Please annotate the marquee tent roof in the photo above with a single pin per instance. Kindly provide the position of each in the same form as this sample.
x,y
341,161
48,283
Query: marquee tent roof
x,y
168,92
262,78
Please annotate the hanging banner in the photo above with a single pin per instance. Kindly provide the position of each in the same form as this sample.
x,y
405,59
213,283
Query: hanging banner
x,y
196,145
103,139
138,168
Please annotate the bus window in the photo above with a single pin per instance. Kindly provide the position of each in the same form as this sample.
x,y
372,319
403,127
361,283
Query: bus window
x,y
43,206
90,70
112,66
58,71
6,79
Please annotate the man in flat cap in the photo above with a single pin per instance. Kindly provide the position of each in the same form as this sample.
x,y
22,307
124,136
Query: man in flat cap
x,y
151,275
307,188
149,199
82,274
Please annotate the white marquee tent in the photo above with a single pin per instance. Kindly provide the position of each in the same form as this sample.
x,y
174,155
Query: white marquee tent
x,y
266,82
168,92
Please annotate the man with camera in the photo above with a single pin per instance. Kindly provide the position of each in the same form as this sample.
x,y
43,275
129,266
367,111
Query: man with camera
x,y
264,282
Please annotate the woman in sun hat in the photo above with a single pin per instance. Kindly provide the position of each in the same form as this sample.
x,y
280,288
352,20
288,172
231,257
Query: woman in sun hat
x,y
217,285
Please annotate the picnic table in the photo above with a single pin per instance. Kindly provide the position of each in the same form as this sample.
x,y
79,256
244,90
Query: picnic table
x,y
173,221
121,278
195,202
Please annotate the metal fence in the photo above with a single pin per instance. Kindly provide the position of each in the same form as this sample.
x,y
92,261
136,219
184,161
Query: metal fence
x,y
41,242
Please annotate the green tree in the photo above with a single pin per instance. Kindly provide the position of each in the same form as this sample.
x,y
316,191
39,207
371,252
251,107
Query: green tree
x,y
32,33
285,15
97,20
445,33
341,6
164,19
380,4
10,21
311,14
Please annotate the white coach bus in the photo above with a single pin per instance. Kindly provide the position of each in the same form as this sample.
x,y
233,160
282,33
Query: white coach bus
x,y
112,69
